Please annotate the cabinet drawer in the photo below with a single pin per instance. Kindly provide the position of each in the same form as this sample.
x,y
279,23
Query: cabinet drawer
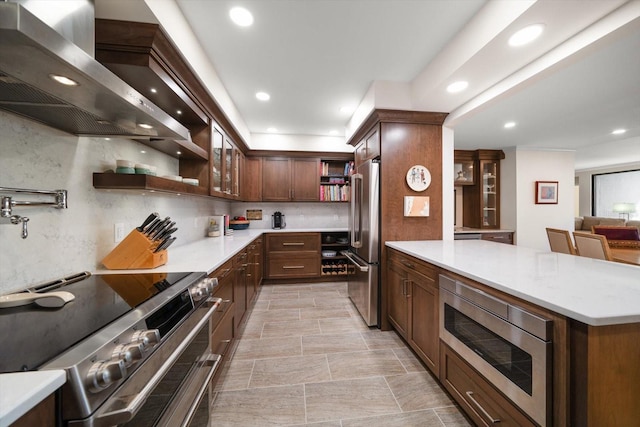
x,y
301,265
293,242
413,264
484,404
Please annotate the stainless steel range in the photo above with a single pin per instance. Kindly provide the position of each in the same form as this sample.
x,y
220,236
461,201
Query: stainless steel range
x,y
131,344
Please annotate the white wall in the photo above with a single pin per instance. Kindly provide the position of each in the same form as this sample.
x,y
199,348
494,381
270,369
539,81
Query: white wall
x,y
532,219
508,192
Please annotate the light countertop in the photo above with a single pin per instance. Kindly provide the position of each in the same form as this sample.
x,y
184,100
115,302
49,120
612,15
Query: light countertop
x,y
591,291
211,252
21,391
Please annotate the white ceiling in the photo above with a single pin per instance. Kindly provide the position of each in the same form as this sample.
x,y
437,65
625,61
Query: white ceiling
x,y
567,90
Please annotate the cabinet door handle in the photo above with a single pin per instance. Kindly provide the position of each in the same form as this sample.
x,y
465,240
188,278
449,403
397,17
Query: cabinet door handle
x,y
484,411
293,244
291,267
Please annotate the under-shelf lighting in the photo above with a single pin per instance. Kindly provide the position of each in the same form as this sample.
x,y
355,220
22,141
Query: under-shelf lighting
x,y
145,126
64,80
509,125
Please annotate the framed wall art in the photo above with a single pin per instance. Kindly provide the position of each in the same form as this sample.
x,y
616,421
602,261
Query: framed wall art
x,y
546,192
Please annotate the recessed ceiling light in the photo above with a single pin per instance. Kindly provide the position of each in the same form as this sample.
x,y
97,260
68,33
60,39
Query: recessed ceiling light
x,y
509,125
178,152
179,112
458,86
347,109
143,152
64,80
145,126
263,96
153,90
526,35
272,130
618,131
333,132
241,16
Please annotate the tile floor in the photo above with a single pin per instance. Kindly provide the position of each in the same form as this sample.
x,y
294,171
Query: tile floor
x,y
305,357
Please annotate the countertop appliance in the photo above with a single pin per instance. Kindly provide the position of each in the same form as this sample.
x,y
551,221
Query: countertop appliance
x,y
123,340
278,221
364,241
506,344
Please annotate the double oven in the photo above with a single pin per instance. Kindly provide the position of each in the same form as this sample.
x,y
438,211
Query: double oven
x,y
509,346
138,349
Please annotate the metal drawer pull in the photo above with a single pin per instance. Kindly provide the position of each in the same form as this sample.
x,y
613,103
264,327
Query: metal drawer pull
x,y
289,267
486,414
407,264
292,244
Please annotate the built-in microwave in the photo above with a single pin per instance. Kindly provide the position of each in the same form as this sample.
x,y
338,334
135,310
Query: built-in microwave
x,y
510,347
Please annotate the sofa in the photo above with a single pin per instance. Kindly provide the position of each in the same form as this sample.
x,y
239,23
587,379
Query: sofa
x,y
585,223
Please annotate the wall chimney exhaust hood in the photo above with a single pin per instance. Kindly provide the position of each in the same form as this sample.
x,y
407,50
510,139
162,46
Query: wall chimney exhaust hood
x,y
32,54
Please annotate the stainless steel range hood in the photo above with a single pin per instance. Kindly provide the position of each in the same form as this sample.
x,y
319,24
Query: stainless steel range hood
x,y
31,53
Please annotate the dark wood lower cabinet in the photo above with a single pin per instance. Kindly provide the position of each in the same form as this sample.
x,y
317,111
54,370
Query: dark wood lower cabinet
x,y
41,415
413,299
292,255
480,400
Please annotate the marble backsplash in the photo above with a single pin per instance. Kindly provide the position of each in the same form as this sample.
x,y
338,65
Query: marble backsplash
x,y
63,242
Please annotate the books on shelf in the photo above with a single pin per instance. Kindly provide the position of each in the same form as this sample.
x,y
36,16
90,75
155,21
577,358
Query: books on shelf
x,y
332,169
334,193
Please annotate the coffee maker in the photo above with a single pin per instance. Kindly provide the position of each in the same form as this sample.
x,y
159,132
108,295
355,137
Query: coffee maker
x,y
277,221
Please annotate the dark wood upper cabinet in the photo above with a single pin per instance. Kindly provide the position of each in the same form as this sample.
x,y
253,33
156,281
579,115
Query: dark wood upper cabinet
x,y
481,196
287,179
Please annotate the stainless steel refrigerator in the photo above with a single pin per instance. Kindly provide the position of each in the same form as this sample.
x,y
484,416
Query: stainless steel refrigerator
x,y
364,241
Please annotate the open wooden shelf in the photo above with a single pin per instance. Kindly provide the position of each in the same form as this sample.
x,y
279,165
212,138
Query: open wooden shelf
x,y
119,181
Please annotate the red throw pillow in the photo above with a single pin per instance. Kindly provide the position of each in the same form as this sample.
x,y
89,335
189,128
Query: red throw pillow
x,y
617,233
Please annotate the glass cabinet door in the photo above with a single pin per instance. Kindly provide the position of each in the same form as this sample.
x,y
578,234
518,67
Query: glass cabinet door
x,y
216,162
489,172
228,166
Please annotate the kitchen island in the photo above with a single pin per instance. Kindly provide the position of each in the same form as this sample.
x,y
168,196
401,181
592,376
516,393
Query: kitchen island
x,y
596,310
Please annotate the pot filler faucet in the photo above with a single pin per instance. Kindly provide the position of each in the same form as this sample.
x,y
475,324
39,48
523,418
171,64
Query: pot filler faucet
x,y
60,202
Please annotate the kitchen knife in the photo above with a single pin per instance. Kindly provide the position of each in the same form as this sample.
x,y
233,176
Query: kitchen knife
x,y
158,225
160,230
151,226
166,233
146,222
165,244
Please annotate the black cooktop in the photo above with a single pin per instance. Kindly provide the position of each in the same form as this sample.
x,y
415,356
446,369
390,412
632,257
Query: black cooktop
x,y
32,335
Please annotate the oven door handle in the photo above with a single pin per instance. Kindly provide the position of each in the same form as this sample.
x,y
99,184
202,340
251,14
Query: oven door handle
x,y
126,414
196,402
216,358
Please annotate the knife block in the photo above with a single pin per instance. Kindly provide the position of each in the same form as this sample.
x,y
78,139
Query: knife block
x,y
135,251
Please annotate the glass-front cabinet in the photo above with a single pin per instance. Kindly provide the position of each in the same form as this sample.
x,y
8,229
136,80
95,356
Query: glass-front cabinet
x,y
489,204
216,161
225,165
480,193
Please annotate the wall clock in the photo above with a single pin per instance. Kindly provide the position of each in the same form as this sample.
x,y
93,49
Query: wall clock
x,y
418,178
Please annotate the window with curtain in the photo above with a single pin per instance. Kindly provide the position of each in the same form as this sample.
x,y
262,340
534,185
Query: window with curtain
x,y
616,194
